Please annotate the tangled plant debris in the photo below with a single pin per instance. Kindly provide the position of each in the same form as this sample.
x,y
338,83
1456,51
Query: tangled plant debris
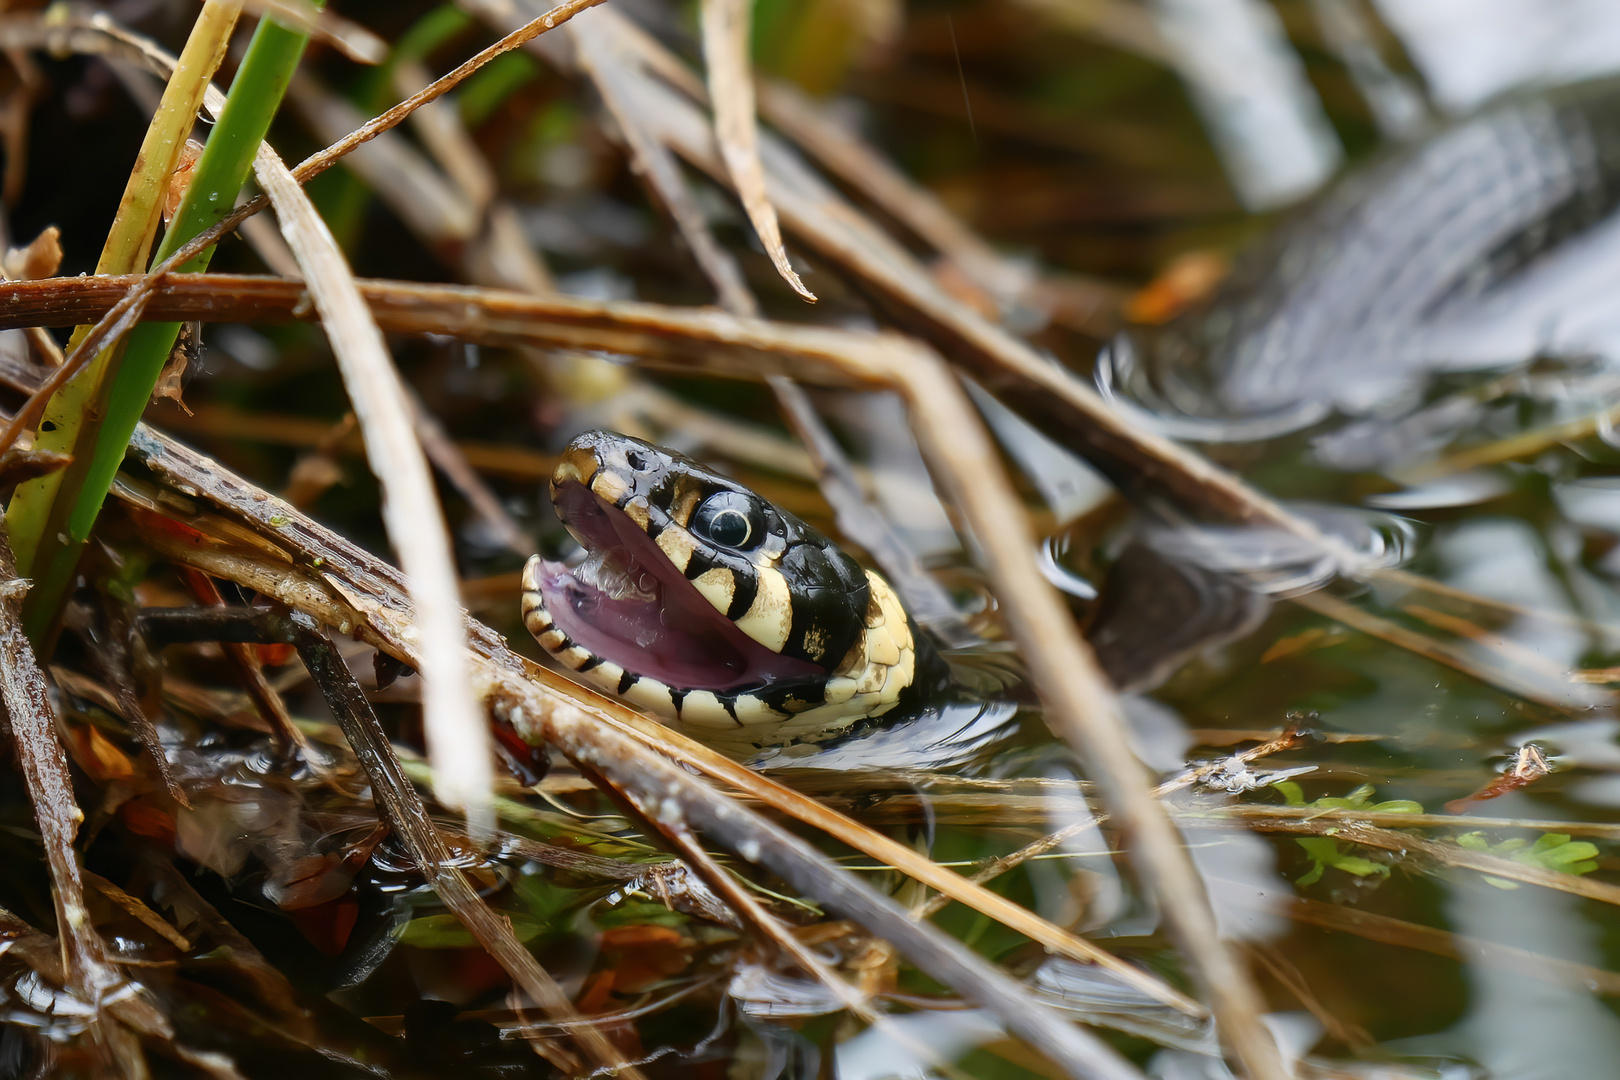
x,y
289,793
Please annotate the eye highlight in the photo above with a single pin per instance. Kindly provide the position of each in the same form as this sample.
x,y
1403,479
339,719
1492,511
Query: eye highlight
x,y
729,519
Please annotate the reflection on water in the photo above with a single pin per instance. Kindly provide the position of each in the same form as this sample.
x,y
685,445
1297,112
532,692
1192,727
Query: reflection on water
x,y
946,733
1172,592
1261,111
1529,1028
1275,562
1472,50
1097,997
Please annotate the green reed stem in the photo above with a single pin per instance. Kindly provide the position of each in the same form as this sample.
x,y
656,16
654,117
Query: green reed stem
x,y
125,251
101,415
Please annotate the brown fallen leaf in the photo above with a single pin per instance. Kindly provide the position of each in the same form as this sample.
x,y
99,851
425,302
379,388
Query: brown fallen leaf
x,y
40,259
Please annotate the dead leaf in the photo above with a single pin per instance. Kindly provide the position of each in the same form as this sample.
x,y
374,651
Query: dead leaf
x,y
40,259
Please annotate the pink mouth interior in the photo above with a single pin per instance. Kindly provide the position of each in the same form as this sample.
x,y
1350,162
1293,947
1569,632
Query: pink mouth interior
x,y
676,637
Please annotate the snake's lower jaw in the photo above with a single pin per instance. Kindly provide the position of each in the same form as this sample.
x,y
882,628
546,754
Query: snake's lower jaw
x,y
771,711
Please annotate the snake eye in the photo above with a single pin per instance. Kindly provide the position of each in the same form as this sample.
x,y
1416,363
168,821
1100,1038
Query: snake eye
x,y
729,519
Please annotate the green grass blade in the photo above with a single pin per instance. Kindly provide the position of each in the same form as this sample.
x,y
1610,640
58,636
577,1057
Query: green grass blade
x,y
120,396
221,171
128,241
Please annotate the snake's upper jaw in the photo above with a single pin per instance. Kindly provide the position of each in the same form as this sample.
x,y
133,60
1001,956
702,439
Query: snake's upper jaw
x,y
627,605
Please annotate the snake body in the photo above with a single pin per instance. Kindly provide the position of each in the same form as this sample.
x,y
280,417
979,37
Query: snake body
x,y
1478,249
705,605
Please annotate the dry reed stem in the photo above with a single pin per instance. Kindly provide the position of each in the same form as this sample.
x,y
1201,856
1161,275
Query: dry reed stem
x,y
134,906
880,847
279,429
1511,448
458,739
1537,686
600,53
1244,811
746,905
1389,931
726,43
1078,699
654,780
774,930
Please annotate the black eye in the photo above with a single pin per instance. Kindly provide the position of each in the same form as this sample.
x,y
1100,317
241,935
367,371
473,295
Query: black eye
x,y
729,519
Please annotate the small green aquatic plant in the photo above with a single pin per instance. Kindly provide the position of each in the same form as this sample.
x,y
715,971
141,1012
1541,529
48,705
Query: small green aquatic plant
x,y
1359,799
1551,851
1324,852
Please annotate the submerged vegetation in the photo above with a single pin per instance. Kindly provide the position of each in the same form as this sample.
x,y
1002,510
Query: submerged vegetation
x,y
1271,552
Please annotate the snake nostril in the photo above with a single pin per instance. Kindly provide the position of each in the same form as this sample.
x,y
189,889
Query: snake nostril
x,y
639,460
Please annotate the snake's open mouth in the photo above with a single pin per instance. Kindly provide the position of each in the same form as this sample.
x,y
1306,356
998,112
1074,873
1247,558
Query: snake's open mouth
x,y
626,603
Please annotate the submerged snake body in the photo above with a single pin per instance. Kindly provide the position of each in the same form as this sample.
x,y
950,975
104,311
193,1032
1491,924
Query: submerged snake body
x,y
705,605
1479,249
